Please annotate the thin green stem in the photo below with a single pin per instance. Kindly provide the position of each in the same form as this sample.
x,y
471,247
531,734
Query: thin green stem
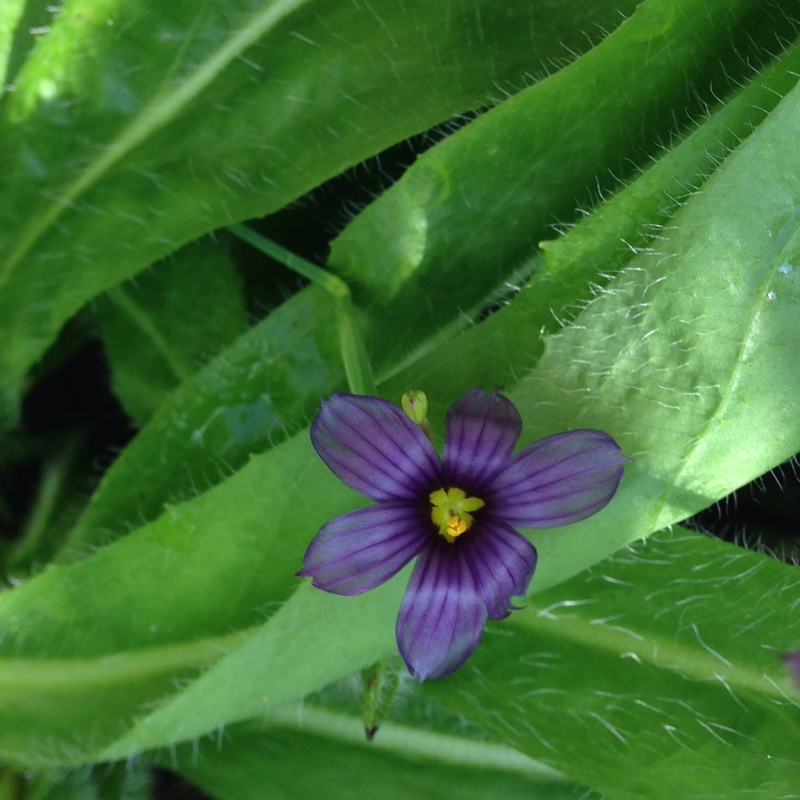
x,y
357,367
331,283
35,542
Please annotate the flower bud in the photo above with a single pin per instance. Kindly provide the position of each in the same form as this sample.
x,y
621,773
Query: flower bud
x,y
415,405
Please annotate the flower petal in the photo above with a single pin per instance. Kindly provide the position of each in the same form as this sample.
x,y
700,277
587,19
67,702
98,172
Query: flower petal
x,y
442,615
374,448
362,549
559,480
482,430
502,562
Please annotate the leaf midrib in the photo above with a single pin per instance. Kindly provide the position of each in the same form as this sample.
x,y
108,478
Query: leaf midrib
x,y
408,741
716,418
701,663
161,110
68,675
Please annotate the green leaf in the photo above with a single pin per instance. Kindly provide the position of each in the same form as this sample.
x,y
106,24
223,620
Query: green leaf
x,y
90,649
133,129
672,357
470,210
250,397
225,559
656,674
160,328
675,344
308,643
401,764
568,271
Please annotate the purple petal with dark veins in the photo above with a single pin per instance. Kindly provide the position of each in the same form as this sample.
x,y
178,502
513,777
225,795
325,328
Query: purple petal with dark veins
x,y
502,562
559,480
363,549
482,430
442,615
792,660
374,448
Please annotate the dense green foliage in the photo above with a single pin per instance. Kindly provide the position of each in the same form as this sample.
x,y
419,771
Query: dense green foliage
x,y
151,614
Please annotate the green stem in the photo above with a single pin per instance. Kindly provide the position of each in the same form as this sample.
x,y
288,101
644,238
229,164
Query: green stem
x,y
356,362
35,542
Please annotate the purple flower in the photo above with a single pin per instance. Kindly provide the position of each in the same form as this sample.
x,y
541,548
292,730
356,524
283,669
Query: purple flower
x,y
456,514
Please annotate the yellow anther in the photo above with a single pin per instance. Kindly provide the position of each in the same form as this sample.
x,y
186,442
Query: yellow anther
x,y
456,526
451,511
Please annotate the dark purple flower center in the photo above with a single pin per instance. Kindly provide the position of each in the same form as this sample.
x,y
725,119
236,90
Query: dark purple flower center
x,y
451,511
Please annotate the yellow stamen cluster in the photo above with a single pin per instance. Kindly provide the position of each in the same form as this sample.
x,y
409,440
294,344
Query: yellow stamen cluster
x,y
451,512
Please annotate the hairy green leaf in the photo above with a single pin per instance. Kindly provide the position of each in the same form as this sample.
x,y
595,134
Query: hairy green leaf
x,y
672,356
656,674
472,209
250,397
568,271
221,561
402,763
